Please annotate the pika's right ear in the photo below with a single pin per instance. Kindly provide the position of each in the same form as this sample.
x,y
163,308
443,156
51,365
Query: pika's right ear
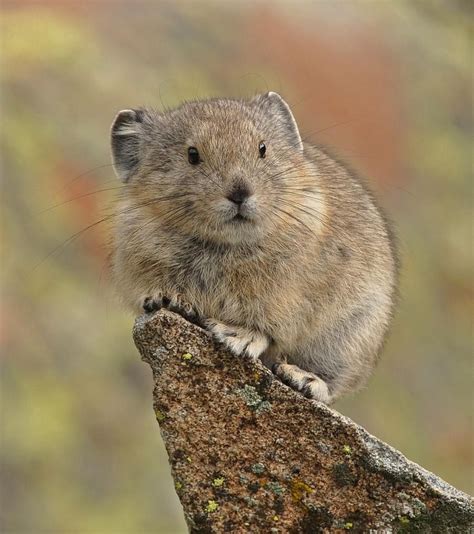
x,y
273,104
125,137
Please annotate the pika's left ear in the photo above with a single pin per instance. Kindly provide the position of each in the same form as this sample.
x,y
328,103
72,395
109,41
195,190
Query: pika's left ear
x,y
277,108
125,136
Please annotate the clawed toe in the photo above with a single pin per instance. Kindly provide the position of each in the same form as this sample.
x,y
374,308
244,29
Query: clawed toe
x,y
151,305
308,384
239,340
186,310
176,305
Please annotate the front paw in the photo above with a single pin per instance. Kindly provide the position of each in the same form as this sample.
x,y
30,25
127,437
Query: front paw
x,y
175,304
155,303
239,341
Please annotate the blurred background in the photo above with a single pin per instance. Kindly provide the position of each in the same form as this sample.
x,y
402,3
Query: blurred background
x,y
386,84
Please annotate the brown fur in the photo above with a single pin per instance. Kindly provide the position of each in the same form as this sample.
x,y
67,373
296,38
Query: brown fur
x,y
310,277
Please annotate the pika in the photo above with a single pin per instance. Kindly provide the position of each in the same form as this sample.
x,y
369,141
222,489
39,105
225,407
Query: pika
x,y
228,217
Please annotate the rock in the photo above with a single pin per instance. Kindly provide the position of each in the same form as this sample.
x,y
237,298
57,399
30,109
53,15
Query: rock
x,y
248,454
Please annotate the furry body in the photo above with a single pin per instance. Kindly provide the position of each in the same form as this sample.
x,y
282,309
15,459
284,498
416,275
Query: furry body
x,y
301,273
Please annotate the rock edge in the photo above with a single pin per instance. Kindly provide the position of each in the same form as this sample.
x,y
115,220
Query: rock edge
x,y
248,454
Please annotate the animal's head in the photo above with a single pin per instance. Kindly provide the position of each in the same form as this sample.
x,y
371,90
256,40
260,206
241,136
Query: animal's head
x,y
223,170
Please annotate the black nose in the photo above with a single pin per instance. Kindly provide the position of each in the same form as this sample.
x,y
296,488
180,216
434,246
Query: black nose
x,y
239,194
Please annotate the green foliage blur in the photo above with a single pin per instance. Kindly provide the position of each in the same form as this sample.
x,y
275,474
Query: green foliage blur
x,y
386,84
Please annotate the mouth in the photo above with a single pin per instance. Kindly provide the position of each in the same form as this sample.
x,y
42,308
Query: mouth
x,y
239,219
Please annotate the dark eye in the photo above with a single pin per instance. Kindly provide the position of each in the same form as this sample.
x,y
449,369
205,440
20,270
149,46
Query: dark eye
x,y
262,149
193,155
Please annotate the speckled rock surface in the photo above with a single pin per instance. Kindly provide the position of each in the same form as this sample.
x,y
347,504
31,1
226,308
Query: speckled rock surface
x,y
250,455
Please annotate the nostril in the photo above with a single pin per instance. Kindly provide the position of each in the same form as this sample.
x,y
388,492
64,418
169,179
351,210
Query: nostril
x,y
236,199
238,195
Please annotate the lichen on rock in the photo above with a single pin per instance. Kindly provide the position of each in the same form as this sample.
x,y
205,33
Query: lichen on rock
x,y
248,454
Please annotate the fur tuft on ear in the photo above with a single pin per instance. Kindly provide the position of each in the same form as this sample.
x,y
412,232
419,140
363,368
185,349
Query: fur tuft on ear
x,y
275,105
125,142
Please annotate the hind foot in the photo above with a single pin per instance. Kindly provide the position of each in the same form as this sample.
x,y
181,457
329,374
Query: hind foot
x,y
310,385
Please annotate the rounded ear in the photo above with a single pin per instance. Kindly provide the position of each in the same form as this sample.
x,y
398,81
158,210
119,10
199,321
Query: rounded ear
x,y
274,105
125,137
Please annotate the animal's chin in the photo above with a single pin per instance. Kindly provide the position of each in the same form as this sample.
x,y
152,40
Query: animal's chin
x,y
224,228
240,219
236,230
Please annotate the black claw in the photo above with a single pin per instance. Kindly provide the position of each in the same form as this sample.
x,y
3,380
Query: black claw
x,y
150,305
246,347
305,382
176,308
230,333
305,387
287,380
275,368
193,317
187,312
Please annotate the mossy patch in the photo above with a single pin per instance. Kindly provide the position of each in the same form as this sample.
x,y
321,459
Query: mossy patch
x,y
257,469
316,519
243,480
275,488
343,475
253,399
251,501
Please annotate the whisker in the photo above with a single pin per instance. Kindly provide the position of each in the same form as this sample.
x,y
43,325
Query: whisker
x,y
109,217
294,218
67,184
78,198
69,240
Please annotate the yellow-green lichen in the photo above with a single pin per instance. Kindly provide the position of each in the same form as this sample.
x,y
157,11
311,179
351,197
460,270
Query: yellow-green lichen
x,y
348,525
299,490
347,449
187,356
218,482
160,416
212,506
404,520
189,459
276,518
178,486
